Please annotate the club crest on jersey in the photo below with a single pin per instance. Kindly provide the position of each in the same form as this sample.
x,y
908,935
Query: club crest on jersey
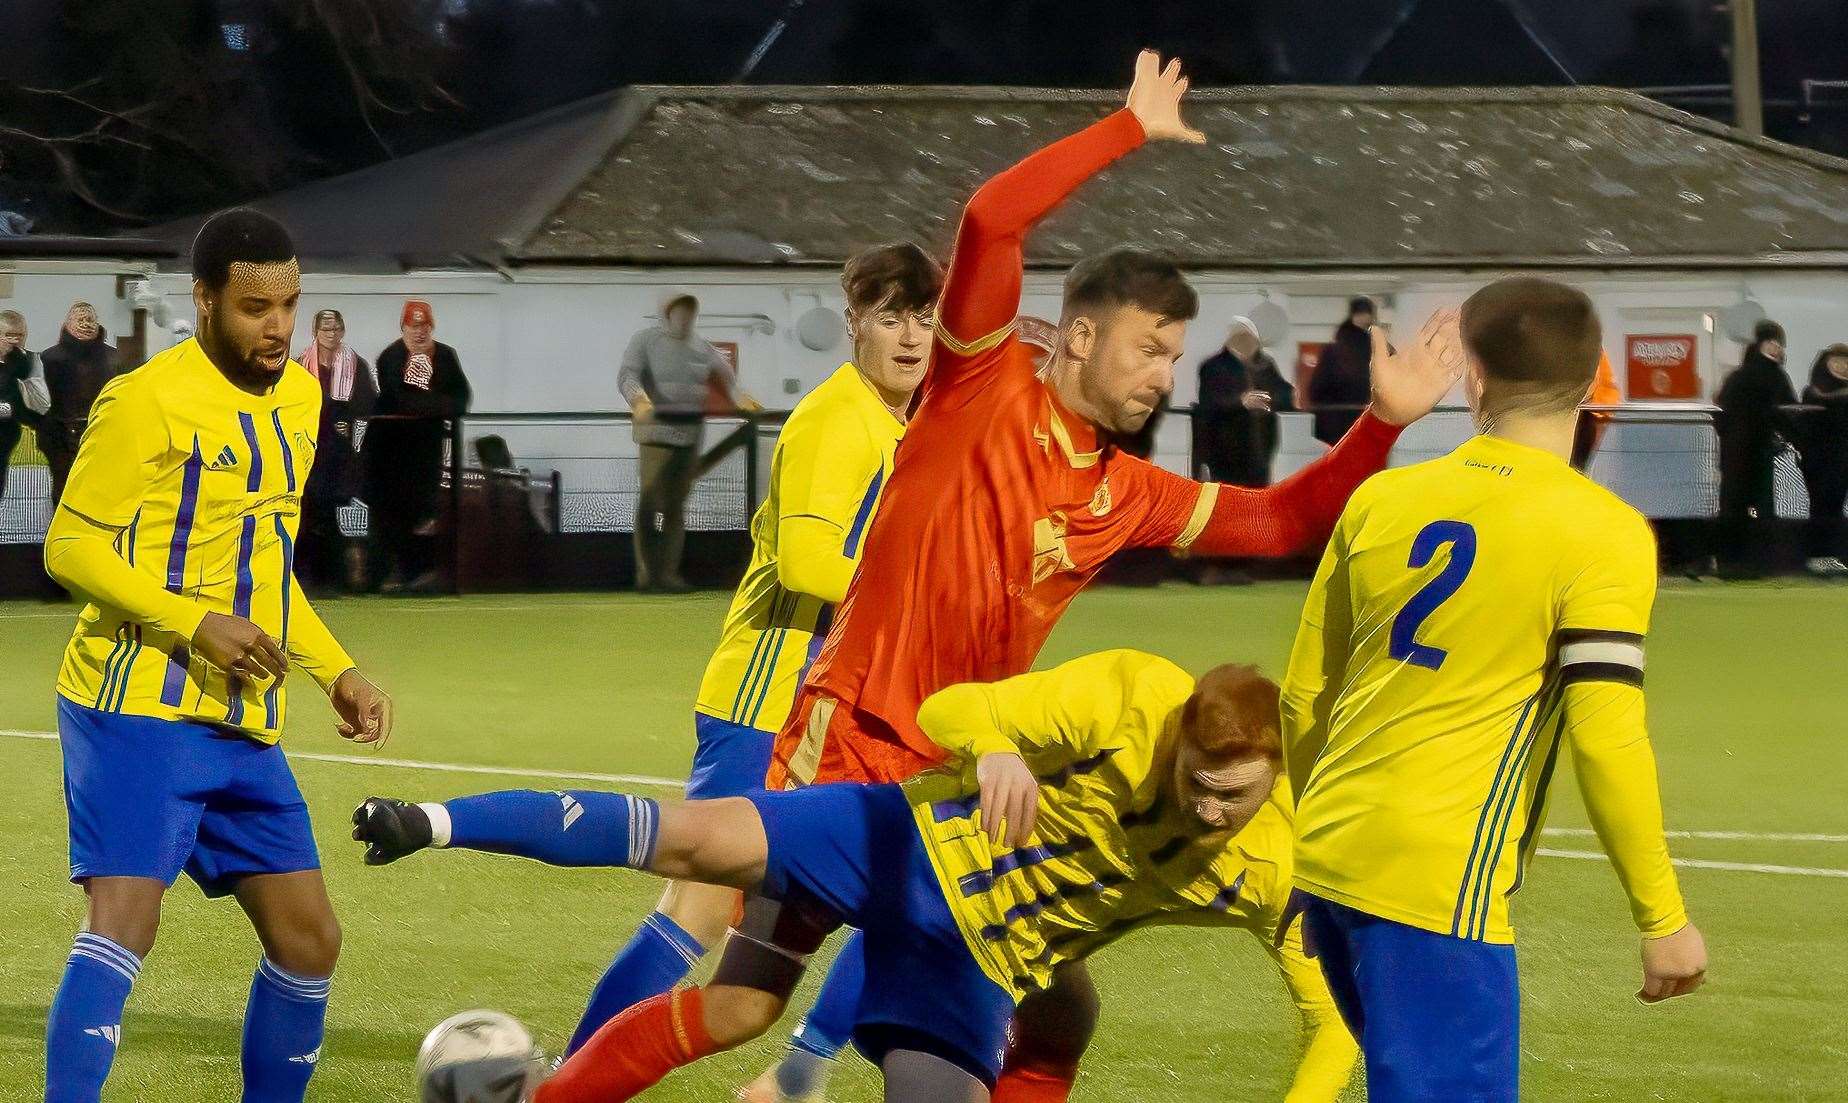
x,y
1050,555
1101,501
226,460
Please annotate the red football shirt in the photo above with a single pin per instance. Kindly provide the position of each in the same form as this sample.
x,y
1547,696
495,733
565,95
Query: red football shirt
x,y
1002,505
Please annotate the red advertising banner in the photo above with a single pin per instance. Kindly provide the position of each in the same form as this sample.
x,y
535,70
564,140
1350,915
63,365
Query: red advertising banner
x,y
1662,365
1308,355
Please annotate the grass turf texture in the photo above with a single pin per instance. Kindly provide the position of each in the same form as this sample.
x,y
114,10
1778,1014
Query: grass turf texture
x,y
1746,695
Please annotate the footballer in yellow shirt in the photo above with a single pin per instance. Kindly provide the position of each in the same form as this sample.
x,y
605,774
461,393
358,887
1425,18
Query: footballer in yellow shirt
x,y
1474,615
178,525
831,461
1079,804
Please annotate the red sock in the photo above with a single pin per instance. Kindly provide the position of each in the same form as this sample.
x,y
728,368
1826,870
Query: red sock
x,y
1029,1084
633,1051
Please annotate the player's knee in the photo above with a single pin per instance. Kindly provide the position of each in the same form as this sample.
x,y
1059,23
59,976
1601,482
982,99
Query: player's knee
x,y
736,1015
1053,1027
126,913
309,947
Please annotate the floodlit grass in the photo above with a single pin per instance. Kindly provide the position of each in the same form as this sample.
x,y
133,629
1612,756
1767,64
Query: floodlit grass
x,y
1748,690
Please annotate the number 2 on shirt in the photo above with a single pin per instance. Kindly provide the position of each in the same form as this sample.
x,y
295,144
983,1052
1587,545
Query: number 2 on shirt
x,y
1462,540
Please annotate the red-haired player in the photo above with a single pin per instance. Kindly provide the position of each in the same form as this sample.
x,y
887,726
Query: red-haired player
x,y
1007,497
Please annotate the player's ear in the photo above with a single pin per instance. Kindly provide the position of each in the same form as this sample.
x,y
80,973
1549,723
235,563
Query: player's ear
x,y
1080,338
853,325
201,298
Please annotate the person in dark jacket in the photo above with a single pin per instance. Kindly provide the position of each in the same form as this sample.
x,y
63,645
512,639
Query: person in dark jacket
x,y
22,387
1343,381
421,387
1750,425
1825,460
75,370
1235,420
349,392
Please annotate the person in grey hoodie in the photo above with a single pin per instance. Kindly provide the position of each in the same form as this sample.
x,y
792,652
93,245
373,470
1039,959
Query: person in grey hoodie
x,y
672,379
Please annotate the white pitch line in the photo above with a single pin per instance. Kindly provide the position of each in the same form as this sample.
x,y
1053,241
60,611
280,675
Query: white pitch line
x,y
670,783
435,767
1703,863
1748,836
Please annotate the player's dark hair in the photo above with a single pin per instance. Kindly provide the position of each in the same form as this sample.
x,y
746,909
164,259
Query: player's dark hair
x,y
895,276
238,236
1537,341
1130,277
1233,714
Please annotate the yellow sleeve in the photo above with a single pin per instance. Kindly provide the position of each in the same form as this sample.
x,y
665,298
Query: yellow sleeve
x,y
1329,1051
827,469
311,645
1318,662
1605,618
122,452
1076,706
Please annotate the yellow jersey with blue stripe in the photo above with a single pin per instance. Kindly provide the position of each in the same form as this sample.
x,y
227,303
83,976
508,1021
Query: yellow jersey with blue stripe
x,y
201,484
830,464
1108,854
1472,614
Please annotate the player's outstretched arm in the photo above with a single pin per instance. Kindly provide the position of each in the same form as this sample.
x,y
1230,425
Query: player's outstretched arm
x,y
981,294
713,842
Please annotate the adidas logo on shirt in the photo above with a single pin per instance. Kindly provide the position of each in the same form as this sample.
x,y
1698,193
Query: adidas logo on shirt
x,y
110,1034
226,460
311,1057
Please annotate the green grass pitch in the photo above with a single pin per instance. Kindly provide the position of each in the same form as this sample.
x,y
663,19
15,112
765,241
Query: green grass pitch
x,y
1748,689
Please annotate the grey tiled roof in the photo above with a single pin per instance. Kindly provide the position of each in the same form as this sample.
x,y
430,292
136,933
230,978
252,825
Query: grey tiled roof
x,y
1289,177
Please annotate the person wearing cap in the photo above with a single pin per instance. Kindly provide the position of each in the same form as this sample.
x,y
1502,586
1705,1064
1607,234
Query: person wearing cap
x,y
1241,393
1343,381
421,387
1750,425
349,391
671,379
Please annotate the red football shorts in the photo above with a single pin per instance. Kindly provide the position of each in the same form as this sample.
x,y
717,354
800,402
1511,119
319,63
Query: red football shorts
x,y
827,741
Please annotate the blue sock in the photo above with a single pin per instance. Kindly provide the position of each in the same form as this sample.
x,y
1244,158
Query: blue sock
x,y
656,959
828,1025
86,1019
283,1027
576,828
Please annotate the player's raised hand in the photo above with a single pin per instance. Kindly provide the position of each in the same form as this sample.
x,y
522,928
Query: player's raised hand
x,y
363,709
1673,965
239,648
1155,100
1408,382
1010,797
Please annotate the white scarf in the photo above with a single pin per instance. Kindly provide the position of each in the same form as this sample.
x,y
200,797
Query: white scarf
x,y
337,377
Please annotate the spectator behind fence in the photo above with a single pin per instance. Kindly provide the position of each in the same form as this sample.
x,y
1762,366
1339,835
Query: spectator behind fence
x,y
1343,381
349,391
671,378
1241,394
421,385
1749,442
1825,460
75,370
22,387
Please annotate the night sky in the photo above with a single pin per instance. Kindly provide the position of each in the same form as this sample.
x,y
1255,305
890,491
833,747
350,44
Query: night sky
x,y
263,78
